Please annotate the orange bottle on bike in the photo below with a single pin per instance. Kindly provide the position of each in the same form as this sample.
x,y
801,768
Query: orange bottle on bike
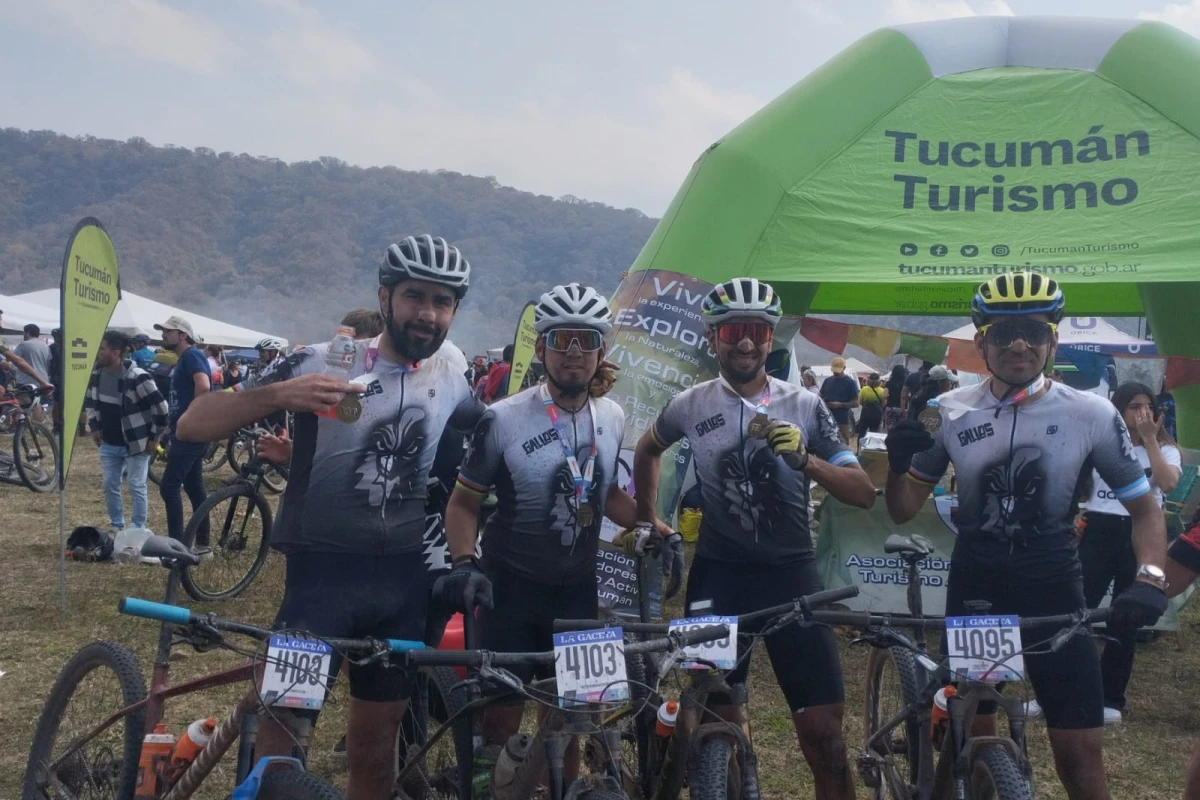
x,y
156,752
941,716
668,712
189,746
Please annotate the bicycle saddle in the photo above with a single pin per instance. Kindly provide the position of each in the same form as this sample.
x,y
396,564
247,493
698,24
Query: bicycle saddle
x,y
916,544
166,548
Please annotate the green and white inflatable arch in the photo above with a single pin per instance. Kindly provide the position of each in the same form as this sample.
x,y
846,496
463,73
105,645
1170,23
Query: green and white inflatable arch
x,y
927,157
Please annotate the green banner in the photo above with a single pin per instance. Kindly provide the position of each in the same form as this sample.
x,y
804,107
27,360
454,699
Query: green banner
x,y
524,343
90,291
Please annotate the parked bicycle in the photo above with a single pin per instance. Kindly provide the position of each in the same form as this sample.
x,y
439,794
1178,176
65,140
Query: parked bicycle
x,y
239,519
33,459
241,450
214,458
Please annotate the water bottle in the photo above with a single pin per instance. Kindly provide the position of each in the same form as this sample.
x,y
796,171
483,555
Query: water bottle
x,y
668,712
194,739
156,749
941,717
339,360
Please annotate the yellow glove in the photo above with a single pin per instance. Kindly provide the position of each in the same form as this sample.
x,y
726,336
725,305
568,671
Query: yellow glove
x,y
784,438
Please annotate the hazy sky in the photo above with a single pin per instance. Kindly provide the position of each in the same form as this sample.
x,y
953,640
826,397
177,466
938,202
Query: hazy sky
x,y
608,101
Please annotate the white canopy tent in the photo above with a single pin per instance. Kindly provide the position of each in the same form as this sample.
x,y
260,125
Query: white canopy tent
x,y
18,313
136,314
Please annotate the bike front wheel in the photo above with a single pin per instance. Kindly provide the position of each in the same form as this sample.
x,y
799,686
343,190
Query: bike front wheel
x,y
995,775
717,770
99,681
437,775
36,455
293,784
892,686
239,522
214,457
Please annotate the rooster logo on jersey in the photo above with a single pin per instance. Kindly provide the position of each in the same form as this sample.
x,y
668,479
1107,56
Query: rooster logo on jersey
x,y
564,508
1012,493
749,486
391,464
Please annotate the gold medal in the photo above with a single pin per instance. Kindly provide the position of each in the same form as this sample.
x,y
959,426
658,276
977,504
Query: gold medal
x,y
586,516
931,419
757,428
349,409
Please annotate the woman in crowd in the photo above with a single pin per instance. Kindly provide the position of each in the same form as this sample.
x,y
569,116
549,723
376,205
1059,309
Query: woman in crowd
x,y
892,412
809,379
1105,550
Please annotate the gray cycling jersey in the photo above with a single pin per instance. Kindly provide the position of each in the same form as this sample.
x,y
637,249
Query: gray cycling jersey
x,y
536,530
361,487
755,505
1019,469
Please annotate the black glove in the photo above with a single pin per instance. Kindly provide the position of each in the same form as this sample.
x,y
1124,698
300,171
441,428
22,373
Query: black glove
x,y
1140,604
465,588
904,441
672,564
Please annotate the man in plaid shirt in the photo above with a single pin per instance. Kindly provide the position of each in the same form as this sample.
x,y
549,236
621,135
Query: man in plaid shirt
x,y
126,414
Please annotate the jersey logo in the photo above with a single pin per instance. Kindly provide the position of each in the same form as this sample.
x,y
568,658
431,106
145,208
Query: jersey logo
x,y
1012,493
564,507
531,446
972,435
749,487
391,465
373,388
1051,430
432,393
711,424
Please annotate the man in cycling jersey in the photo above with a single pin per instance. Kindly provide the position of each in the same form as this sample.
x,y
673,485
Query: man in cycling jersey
x,y
756,443
1020,445
352,520
551,452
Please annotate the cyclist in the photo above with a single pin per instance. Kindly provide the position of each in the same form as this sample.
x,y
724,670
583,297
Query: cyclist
x,y
269,349
755,549
352,520
1020,446
551,452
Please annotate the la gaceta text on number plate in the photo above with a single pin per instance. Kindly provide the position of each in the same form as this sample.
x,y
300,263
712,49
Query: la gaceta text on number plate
x,y
296,672
722,653
985,648
590,666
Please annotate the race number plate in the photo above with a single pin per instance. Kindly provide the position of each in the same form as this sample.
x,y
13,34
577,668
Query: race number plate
x,y
722,652
296,672
590,666
985,648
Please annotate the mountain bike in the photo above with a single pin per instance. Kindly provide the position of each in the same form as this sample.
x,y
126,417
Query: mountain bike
x,y
239,519
901,741
714,758
89,737
33,460
241,450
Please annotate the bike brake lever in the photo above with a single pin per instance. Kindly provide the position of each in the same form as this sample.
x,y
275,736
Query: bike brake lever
x,y
501,676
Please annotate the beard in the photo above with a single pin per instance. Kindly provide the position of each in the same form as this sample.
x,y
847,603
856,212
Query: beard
x,y
402,340
569,390
736,375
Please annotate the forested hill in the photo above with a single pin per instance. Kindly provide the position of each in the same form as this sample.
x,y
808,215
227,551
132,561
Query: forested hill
x,y
289,247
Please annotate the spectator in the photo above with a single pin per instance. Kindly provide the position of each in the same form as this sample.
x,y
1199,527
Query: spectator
x,y
36,354
497,377
912,385
235,373
809,380
367,322
895,391
840,393
1106,549
477,371
56,378
190,378
126,415
872,397
142,355
213,353
938,381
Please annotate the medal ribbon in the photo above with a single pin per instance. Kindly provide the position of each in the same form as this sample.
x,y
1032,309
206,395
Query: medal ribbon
x,y
763,401
582,478
373,353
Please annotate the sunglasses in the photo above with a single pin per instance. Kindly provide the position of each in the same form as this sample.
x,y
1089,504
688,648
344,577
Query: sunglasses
x,y
734,332
561,339
1003,334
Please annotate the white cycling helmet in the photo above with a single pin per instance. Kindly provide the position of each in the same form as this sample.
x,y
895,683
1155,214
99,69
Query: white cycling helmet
x,y
572,304
742,298
426,258
271,343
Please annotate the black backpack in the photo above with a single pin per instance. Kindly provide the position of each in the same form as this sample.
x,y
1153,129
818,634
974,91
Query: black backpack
x,y
87,543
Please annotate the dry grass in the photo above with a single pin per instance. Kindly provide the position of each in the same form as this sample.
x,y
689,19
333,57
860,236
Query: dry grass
x,y
1144,758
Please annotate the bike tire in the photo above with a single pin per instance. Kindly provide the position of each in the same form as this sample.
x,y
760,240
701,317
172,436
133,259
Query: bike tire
x,y
602,794
235,449
121,744
214,457
33,445
996,776
293,784
902,756
714,775
432,704
229,572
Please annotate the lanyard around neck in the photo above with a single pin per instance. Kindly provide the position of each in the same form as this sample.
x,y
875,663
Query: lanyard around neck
x,y
373,353
581,477
764,399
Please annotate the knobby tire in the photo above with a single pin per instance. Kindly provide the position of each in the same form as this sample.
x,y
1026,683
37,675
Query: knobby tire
x,y
293,784
224,538
900,771
996,776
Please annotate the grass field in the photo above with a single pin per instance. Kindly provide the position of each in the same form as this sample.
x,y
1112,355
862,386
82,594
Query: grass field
x,y
1144,757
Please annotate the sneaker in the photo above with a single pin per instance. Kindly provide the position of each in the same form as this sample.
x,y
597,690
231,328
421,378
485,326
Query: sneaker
x,y
1033,710
203,551
339,749
1112,716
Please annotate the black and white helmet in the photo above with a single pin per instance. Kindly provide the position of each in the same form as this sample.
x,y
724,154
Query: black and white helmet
x,y
742,298
426,258
271,343
572,304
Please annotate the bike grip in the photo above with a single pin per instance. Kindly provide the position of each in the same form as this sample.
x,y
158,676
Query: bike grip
x,y
831,596
162,612
1100,614
404,645
708,633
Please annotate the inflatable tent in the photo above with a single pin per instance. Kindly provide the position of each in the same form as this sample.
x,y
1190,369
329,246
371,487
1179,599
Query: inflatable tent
x,y
926,158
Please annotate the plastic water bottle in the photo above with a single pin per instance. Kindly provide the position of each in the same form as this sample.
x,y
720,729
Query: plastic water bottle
x,y
668,712
189,746
156,750
339,359
940,717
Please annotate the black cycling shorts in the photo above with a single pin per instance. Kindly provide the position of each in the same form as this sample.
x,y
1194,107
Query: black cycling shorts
x,y
1067,683
805,658
350,596
523,618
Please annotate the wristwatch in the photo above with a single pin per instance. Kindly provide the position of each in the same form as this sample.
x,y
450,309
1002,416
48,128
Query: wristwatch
x,y
1148,573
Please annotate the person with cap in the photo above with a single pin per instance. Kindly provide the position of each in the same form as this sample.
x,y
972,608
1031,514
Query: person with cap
x,y
872,397
143,355
938,381
840,393
185,460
